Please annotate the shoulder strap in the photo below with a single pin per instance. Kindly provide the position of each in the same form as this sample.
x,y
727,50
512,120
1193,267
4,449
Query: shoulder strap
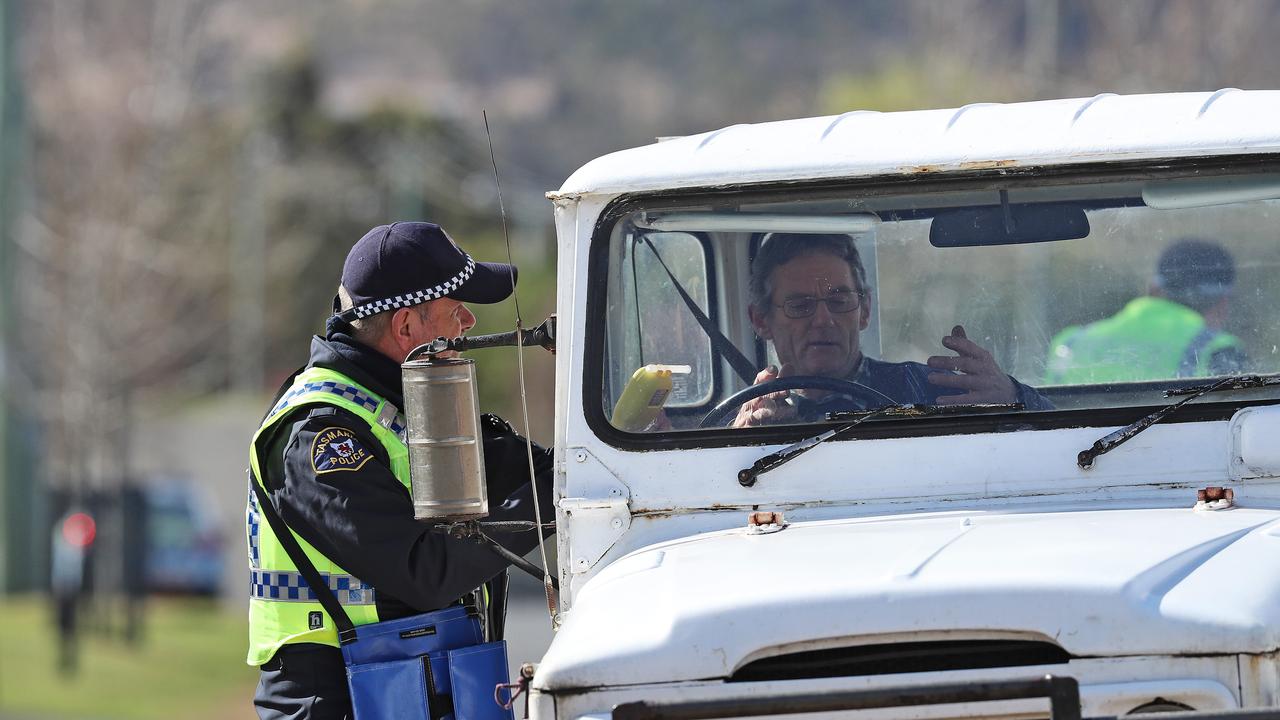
x,y
329,601
1190,361
730,352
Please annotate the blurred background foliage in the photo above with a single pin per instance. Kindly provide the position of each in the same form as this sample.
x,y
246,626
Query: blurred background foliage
x,y
180,181
211,161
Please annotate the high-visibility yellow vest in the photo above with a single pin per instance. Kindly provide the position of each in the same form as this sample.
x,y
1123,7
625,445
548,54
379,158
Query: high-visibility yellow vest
x,y
1151,338
282,608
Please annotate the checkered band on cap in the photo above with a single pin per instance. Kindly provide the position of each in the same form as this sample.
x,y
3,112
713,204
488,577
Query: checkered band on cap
x,y
416,298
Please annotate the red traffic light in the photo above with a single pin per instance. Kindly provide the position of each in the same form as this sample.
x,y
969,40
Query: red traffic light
x,y
79,529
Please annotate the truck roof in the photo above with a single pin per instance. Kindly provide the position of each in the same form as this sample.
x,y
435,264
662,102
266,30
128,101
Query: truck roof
x,y
977,136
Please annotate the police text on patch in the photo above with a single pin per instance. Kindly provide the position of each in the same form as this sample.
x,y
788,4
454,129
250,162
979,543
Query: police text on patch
x,y
337,448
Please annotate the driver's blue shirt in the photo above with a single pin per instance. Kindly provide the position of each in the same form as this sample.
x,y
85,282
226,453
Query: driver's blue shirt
x,y
905,383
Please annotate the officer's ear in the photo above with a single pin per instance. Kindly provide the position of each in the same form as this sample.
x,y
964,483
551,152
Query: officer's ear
x,y
404,331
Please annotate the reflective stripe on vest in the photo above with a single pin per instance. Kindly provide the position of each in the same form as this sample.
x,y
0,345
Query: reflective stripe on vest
x,y
292,587
282,609
252,520
391,419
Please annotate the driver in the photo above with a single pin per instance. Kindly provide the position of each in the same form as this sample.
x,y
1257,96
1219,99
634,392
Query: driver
x,y
809,298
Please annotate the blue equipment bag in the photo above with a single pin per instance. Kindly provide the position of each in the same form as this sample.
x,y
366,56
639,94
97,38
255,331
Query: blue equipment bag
x,y
474,673
433,666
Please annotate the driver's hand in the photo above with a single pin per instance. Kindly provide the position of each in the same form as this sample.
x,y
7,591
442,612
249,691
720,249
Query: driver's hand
x,y
767,409
660,423
979,374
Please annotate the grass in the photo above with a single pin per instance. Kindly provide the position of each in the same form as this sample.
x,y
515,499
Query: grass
x,y
190,663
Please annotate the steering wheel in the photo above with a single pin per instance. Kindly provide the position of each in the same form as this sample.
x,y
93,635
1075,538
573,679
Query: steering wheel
x,y
868,397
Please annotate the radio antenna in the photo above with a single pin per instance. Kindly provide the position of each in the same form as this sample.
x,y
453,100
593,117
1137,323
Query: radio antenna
x,y
547,586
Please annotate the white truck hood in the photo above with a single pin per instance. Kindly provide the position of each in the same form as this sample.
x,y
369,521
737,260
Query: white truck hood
x,y
1099,583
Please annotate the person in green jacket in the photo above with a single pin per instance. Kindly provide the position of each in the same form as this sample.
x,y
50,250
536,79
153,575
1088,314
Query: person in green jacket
x,y
1173,331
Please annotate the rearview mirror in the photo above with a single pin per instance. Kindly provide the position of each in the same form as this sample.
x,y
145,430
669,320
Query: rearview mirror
x,y
1009,224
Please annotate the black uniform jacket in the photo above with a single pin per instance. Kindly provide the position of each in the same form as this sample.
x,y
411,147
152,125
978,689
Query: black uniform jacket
x,y
362,518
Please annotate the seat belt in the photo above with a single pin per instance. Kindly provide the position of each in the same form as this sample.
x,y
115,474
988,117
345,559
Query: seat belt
x,y
744,368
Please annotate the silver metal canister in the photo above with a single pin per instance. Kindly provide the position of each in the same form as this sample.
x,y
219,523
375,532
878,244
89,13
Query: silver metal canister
x,y
446,454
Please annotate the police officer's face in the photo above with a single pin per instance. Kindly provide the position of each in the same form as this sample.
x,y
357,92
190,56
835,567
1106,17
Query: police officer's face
x,y
446,318
419,324
825,342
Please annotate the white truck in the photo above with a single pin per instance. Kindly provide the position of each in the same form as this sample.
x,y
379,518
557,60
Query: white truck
x,y
955,556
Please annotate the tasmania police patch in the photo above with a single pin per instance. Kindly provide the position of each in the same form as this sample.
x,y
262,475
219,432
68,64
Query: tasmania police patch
x,y
337,448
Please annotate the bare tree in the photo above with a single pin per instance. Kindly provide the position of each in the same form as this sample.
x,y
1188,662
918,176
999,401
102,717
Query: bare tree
x,y
122,252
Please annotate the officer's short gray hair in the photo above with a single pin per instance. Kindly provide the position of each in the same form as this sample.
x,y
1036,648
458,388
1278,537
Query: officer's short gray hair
x,y
781,248
367,329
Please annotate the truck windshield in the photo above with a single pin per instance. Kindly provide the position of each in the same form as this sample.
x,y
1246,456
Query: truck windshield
x,y
1070,295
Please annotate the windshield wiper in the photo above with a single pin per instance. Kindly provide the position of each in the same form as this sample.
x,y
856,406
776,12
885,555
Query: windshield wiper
x,y
747,476
1110,442
1236,382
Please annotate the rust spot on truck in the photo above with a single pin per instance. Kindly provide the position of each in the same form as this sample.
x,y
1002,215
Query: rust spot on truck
x,y
1213,493
973,165
662,513
764,517
1215,498
1256,671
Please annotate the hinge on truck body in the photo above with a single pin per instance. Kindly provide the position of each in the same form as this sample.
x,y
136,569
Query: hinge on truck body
x,y
596,513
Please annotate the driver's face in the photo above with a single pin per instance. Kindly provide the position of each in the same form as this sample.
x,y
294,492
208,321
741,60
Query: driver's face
x,y
824,343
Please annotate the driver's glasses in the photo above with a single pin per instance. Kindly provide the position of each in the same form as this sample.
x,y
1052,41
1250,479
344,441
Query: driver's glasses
x,y
838,301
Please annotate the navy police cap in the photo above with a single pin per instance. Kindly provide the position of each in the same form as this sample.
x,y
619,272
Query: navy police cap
x,y
408,263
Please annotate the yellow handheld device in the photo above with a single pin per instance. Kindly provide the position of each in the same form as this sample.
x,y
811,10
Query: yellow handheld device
x,y
644,396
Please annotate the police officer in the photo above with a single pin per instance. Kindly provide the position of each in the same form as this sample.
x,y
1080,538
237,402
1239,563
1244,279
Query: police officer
x,y
331,455
1173,331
